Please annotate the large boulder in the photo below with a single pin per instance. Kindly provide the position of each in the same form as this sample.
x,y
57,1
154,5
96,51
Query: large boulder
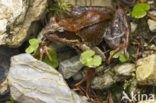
x,y
32,81
16,19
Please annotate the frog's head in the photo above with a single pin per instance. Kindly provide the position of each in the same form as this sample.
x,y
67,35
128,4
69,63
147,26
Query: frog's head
x,y
52,27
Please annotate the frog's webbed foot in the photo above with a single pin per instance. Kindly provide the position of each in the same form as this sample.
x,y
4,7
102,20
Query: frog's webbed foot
x,y
88,78
43,49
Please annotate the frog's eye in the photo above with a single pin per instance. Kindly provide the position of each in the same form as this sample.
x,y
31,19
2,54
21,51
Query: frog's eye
x,y
60,29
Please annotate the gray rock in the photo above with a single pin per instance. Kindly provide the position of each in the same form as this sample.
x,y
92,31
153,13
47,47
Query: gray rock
x,y
70,67
123,71
32,81
152,25
146,69
111,76
16,18
103,81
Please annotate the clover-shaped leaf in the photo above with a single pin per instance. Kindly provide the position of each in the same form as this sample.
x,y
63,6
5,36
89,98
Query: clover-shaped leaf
x,y
34,44
89,59
121,56
139,10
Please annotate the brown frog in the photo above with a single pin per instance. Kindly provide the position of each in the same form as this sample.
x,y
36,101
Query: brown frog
x,y
84,26
87,26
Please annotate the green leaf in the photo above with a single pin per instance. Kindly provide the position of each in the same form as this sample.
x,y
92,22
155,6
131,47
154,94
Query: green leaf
x,y
97,60
139,10
89,59
89,62
122,58
144,6
54,62
138,13
88,53
120,55
116,55
34,44
29,50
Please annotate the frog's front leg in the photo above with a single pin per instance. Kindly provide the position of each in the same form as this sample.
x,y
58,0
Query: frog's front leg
x,y
73,43
43,49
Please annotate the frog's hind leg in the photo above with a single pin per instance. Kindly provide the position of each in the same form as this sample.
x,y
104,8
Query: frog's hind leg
x,y
115,51
88,78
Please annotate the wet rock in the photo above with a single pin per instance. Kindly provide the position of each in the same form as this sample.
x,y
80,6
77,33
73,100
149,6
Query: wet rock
x,y
152,25
32,81
111,76
70,67
16,17
146,69
108,3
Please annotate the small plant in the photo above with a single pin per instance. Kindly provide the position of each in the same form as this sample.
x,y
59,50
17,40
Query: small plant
x,y
60,8
139,10
89,59
120,55
34,44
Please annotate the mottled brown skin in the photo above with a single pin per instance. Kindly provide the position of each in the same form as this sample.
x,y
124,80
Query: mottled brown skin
x,y
85,25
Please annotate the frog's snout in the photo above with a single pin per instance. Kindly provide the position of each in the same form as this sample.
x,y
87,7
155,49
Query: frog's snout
x,y
52,29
